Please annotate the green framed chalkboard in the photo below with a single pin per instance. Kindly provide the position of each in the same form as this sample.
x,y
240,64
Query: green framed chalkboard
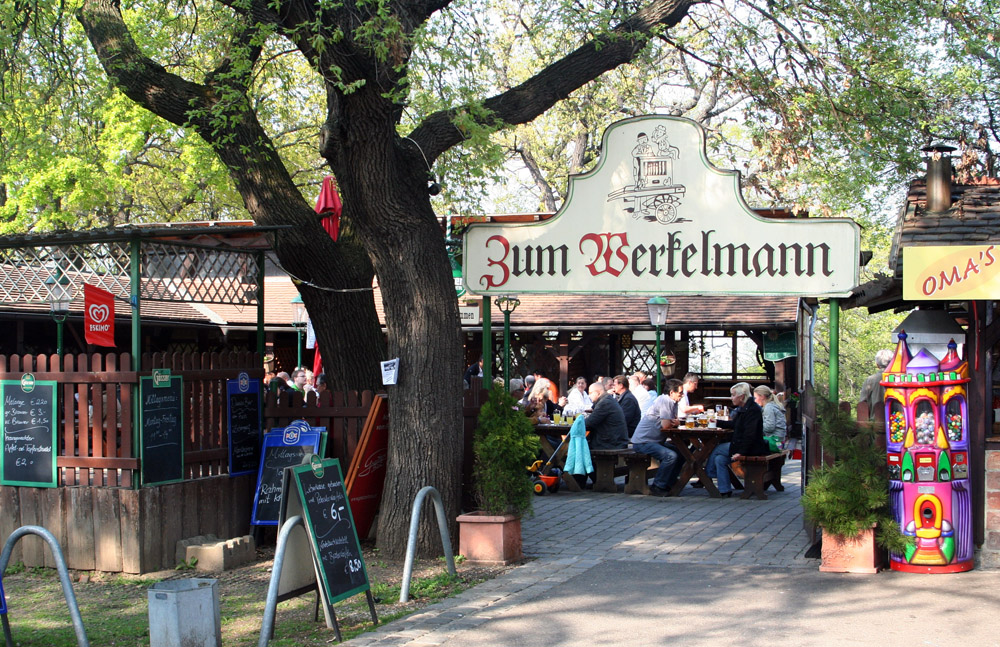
x,y
330,526
28,432
161,428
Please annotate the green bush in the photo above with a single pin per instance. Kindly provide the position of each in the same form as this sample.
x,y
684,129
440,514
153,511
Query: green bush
x,y
852,494
505,444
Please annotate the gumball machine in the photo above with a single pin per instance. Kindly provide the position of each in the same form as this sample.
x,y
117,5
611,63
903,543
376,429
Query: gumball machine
x,y
927,445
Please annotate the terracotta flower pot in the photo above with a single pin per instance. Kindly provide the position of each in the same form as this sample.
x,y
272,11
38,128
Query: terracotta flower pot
x,y
490,539
851,555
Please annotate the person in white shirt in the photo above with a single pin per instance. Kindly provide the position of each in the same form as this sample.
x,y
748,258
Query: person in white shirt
x,y
639,391
684,407
578,401
649,385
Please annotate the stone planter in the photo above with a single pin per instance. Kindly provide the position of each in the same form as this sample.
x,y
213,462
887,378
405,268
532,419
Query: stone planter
x,y
851,555
490,539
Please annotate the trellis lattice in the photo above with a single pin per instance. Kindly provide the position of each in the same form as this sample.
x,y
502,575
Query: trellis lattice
x,y
640,357
184,272
168,272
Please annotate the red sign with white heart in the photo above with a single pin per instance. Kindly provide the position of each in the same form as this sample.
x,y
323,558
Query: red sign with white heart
x,y
99,316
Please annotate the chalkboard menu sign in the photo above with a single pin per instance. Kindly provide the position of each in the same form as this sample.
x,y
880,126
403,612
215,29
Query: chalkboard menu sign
x,y
27,425
330,526
281,448
161,423
243,399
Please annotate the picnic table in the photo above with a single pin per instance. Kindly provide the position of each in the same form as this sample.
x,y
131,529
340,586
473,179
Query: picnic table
x,y
695,445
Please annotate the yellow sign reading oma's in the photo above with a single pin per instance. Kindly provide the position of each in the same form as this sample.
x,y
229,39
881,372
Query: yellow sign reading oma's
x,y
952,272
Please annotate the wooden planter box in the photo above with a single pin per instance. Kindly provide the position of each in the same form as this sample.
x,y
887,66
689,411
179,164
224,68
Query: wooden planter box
x,y
851,555
490,539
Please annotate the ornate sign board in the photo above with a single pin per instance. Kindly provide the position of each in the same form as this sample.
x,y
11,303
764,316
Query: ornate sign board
x,y
655,217
951,272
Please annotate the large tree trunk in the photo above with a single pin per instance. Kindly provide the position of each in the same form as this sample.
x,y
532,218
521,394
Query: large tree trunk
x,y
386,196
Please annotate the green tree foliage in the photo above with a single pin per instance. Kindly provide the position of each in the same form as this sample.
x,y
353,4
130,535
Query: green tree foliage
x,y
75,152
862,334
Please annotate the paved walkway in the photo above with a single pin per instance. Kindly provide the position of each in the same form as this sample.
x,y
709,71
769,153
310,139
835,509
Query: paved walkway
x,y
630,570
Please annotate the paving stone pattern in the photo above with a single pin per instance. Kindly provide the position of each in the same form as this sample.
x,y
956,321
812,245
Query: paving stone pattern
x,y
571,533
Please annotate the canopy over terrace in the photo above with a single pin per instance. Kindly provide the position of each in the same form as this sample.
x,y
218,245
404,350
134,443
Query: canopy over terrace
x,y
190,263
565,336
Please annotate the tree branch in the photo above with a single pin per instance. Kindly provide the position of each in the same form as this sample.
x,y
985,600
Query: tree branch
x,y
141,78
530,99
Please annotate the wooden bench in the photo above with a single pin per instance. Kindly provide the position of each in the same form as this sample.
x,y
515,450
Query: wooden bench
x,y
606,466
759,473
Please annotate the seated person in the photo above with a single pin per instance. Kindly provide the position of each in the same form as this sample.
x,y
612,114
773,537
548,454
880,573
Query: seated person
x,y
774,417
747,423
541,408
578,401
685,407
606,423
642,395
628,403
650,437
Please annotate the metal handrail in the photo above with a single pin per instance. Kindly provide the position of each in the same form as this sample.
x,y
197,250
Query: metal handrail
x,y
271,605
67,586
411,547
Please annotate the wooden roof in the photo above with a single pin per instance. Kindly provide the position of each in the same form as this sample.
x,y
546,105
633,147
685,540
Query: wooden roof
x,y
974,218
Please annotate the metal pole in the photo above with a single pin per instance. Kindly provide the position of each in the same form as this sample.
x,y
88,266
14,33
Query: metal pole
x,y
59,337
134,278
298,330
835,351
487,342
411,542
656,363
506,351
271,602
67,586
261,342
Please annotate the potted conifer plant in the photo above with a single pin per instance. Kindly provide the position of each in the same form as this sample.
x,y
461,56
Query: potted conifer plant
x,y
505,444
849,499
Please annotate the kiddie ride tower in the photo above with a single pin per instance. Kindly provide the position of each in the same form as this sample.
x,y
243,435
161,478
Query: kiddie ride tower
x,y
927,442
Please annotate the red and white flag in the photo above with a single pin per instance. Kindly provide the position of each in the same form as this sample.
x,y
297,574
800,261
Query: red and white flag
x,y
98,316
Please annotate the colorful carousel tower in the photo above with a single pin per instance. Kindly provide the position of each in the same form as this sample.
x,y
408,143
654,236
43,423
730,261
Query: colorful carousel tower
x,y
927,445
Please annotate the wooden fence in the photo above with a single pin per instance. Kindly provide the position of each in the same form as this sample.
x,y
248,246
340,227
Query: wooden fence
x,y
97,512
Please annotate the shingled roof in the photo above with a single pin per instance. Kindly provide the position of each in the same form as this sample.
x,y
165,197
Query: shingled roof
x,y
974,217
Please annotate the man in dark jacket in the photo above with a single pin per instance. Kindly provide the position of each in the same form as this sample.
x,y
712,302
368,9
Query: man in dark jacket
x,y
628,403
606,423
747,423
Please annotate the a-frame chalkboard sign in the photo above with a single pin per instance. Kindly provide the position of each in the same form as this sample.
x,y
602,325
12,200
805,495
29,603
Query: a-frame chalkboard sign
x,y
8,639
316,492
283,447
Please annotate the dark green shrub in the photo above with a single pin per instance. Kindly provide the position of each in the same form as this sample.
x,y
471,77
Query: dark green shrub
x,y
852,494
505,444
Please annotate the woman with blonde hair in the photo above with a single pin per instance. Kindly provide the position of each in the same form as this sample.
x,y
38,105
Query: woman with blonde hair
x,y
774,416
